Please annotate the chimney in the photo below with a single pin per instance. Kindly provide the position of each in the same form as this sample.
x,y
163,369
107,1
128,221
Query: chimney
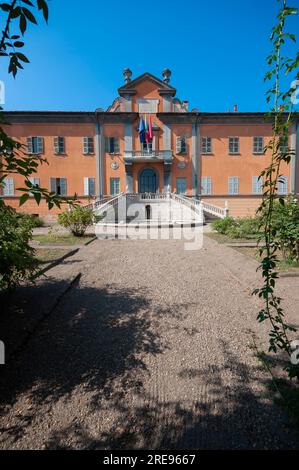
x,y
235,108
166,74
185,104
127,74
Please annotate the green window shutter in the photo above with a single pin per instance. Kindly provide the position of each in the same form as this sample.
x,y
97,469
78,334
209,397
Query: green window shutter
x,y
63,187
107,144
53,187
29,145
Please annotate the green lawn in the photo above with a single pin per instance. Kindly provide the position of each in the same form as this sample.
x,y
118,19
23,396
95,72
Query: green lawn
x,y
45,256
64,239
221,238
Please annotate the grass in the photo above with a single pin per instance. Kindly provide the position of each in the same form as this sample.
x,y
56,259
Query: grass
x,y
283,265
221,238
63,239
45,256
252,252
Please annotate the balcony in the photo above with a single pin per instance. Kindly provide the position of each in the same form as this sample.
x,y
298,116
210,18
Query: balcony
x,y
132,156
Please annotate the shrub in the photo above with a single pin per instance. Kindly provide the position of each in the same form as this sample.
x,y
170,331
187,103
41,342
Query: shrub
x,y
31,219
237,228
17,262
223,225
77,220
285,223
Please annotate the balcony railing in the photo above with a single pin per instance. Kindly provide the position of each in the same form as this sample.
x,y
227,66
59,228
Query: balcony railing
x,y
148,155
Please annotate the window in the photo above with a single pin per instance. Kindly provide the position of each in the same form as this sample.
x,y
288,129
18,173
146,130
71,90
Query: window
x,y
233,185
35,145
283,145
147,106
258,145
206,145
58,186
181,146
8,188
206,185
181,185
34,181
59,145
88,145
89,186
234,146
111,145
147,147
283,185
114,186
257,185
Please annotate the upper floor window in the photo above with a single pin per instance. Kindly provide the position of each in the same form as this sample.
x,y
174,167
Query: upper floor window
x,y
258,145
147,105
206,145
181,145
234,145
257,185
59,145
233,185
35,145
283,145
283,185
111,145
88,145
8,188
206,185
58,186
89,186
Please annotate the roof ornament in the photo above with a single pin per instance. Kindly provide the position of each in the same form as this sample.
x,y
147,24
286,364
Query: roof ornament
x,y
127,74
166,74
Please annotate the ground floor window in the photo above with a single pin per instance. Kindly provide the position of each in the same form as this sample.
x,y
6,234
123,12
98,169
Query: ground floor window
x,y
206,185
89,186
181,185
283,185
8,188
233,185
58,186
114,186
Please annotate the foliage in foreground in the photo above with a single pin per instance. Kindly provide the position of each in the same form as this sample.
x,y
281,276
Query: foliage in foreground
x,y
77,219
17,261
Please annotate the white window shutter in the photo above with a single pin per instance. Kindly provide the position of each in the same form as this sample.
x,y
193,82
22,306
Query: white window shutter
x,y
178,144
91,186
29,145
8,189
63,186
40,145
86,186
154,143
53,185
116,145
85,145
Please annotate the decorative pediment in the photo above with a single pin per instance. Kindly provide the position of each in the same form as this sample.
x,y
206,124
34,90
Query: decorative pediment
x,y
163,87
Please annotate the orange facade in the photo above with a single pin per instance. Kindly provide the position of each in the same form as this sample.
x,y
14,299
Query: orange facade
x,y
215,156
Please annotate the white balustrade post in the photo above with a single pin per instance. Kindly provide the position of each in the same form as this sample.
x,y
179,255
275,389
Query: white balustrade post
x,y
226,210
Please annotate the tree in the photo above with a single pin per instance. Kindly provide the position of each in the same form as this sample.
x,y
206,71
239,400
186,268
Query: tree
x,y
13,158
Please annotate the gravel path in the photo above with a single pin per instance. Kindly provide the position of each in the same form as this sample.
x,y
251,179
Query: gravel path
x,y
151,349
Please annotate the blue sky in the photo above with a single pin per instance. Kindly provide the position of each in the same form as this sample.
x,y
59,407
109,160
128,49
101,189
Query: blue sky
x,y
215,49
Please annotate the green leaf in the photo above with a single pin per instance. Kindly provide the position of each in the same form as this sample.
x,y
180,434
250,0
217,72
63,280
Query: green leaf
x,y
23,199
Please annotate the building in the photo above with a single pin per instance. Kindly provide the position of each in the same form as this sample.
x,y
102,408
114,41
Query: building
x,y
215,156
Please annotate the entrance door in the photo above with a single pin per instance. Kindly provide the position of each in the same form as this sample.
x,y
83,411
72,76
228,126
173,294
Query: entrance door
x,y
147,181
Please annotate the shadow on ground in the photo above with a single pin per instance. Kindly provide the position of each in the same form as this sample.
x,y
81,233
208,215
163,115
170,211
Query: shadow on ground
x,y
93,347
